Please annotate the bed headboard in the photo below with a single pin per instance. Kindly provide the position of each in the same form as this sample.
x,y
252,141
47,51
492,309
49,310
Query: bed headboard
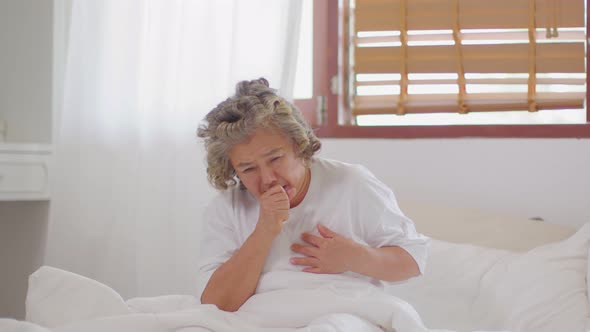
x,y
462,225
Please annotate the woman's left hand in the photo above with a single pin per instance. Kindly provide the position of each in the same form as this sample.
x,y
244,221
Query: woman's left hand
x,y
330,253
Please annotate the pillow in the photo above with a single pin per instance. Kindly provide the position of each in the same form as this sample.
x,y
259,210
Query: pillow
x,y
467,287
444,295
56,297
541,290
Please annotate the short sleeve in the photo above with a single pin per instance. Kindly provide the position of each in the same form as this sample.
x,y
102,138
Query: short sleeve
x,y
218,240
395,229
384,222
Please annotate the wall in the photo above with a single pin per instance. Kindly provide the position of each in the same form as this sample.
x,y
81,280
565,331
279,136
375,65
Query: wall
x,y
26,66
23,234
547,178
25,104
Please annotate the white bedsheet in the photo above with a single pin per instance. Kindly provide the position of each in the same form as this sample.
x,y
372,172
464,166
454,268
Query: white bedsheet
x,y
308,304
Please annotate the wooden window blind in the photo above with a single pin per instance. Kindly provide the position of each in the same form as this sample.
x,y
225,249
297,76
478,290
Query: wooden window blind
x,y
426,56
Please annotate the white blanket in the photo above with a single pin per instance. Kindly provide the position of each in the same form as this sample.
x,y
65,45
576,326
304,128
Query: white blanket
x,y
288,310
307,304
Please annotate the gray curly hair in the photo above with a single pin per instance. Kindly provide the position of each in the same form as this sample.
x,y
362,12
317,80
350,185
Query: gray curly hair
x,y
254,106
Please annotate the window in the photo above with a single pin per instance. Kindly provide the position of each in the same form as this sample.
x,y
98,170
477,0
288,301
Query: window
x,y
449,68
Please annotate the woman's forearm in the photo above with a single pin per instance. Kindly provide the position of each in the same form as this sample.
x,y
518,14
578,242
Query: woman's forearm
x,y
386,263
235,281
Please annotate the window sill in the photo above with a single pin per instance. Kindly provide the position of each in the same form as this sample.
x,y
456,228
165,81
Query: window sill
x,y
456,131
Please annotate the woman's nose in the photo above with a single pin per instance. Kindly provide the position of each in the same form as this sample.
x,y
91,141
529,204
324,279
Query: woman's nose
x,y
268,177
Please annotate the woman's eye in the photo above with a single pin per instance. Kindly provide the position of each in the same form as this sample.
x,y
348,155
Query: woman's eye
x,y
275,158
247,170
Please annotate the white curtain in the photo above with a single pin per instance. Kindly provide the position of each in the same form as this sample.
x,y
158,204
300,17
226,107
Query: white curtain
x,y
129,181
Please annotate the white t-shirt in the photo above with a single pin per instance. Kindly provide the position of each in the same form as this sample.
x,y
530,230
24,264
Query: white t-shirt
x,y
346,198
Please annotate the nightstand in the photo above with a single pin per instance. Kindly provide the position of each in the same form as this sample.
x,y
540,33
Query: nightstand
x,y
24,172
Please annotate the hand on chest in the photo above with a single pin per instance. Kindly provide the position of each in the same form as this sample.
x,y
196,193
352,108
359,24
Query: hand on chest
x,y
307,223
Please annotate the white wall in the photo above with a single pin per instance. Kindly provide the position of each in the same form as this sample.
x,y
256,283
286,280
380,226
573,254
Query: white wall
x,y
25,104
547,178
23,235
25,68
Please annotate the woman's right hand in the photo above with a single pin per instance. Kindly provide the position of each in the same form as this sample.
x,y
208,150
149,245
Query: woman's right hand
x,y
274,210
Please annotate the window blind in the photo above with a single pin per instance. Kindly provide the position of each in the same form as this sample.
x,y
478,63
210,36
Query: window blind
x,y
421,56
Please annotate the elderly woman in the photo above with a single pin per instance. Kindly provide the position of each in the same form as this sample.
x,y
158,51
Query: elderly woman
x,y
280,209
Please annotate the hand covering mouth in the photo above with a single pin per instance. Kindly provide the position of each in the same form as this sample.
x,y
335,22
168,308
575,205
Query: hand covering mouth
x,y
290,191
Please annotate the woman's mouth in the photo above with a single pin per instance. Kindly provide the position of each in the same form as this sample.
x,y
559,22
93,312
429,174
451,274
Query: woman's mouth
x,y
290,191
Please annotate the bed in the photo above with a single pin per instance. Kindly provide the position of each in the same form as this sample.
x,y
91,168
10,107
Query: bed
x,y
485,272
497,272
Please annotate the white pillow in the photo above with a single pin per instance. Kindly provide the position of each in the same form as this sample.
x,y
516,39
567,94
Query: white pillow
x,y
467,287
56,297
444,295
541,290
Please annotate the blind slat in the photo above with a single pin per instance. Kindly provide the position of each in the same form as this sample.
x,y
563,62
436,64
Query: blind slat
x,y
380,15
494,81
475,98
475,102
502,58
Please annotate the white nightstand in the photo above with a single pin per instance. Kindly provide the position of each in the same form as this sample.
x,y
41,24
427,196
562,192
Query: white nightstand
x,y
24,172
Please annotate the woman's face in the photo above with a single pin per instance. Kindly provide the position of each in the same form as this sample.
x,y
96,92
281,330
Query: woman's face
x,y
266,159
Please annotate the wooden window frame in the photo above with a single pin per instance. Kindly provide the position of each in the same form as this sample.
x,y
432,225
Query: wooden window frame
x,y
327,124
